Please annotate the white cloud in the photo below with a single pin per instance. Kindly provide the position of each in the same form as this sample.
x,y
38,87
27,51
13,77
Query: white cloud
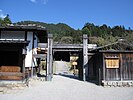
x,y
1,14
34,1
39,1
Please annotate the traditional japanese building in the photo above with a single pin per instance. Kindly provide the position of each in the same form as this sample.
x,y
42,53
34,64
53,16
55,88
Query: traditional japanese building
x,y
112,67
18,45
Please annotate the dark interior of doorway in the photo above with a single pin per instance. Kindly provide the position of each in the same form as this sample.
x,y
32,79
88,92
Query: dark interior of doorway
x,y
62,55
9,58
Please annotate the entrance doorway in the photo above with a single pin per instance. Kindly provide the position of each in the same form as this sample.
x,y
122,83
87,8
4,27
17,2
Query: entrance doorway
x,y
11,61
61,56
66,63
9,58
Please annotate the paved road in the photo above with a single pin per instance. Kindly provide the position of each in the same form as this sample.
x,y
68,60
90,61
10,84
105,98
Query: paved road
x,y
63,88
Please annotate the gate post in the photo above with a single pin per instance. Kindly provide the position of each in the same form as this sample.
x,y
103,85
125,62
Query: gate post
x,y
49,58
85,56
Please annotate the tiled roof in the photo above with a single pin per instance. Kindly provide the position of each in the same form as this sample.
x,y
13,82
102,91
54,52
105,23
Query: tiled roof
x,y
12,41
24,27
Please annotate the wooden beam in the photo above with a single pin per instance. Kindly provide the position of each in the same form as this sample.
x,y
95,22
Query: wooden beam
x,y
103,66
11,74
25,36
73,50
120,58
67,46
49,58
39,55
85,57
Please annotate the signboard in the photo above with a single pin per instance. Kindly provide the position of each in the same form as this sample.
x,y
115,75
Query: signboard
x,y
112,63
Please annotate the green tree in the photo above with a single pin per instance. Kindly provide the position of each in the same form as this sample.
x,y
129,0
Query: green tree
x,y
66,39
100,35
7,20
1,21
77,36
86,31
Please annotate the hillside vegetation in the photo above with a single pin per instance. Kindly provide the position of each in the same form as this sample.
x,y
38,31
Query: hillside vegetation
x,y
62,33
101,35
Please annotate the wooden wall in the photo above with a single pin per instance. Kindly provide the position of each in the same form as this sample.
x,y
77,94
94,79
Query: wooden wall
x,y
127,66
118,66
10,73
95,66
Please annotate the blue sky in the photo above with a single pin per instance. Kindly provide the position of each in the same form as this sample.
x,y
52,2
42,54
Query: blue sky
x,y
75,13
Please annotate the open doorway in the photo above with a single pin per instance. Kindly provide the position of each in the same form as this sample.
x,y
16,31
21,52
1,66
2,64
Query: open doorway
x,y
11,62
66,63
9,58
61,56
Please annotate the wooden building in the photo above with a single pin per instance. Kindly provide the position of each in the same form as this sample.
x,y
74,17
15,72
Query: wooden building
x,y
18,51
18,45
112,67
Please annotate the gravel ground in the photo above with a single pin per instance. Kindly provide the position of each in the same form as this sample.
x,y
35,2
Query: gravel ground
x,y
63,88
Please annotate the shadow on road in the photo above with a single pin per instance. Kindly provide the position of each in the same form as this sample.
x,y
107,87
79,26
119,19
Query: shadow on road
x,y
70,76
77,78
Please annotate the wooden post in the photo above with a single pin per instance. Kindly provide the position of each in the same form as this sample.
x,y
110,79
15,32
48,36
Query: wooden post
x,y
49,58
103,60
23,66
99,76
120,66
23,54
85,56
80,64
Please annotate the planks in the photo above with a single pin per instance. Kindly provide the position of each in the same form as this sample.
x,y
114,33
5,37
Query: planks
x,y
10,69
118,68
127,66
10,73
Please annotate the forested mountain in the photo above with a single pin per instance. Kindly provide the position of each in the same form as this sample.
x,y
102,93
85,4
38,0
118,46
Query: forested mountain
x,y
100,35
104,34
62,33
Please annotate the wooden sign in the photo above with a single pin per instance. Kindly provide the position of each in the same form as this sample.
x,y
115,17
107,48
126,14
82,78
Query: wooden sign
x,y
112,63
74,63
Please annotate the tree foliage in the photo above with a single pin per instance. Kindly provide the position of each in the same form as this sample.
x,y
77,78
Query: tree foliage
x,y
100,35
5,21
60,31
